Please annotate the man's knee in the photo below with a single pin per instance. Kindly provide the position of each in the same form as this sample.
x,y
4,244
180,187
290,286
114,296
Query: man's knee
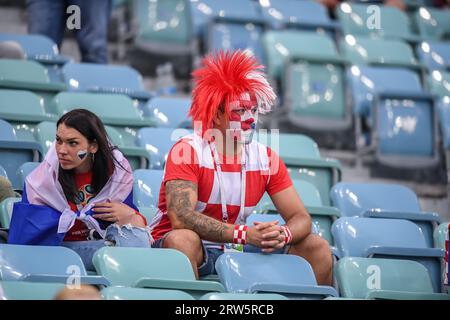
x,y
182,238
314,246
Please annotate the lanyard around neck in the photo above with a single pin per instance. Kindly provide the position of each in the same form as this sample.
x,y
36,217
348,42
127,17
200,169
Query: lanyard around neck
x,y
221,185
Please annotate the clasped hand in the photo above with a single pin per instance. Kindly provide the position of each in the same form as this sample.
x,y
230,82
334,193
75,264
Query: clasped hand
x,y
266,235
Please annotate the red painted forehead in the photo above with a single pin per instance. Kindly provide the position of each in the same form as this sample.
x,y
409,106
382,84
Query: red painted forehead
x,y
246,100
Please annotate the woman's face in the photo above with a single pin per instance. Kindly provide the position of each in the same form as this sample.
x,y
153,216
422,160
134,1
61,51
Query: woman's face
x,y
73,149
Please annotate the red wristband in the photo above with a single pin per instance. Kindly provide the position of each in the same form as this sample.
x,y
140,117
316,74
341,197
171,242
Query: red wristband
x,y
240,234
287,234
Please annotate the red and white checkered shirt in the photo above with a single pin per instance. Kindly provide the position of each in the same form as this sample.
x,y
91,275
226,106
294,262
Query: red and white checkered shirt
x,y
191,159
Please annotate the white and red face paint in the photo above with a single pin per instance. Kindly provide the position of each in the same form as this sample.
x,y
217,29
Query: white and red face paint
x,y
243,118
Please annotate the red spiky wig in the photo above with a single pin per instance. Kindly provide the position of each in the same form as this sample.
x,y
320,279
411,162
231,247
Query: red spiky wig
x,y
222,79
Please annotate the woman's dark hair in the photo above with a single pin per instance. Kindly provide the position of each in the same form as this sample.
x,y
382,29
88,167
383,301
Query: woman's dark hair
x,y
91,127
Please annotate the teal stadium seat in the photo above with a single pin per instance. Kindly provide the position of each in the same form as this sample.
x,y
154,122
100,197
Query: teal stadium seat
x,y
371,278
158,142
23,290
433,23
146,187
441,235
13,152
358,20
434,55
23,110
169,112
387,238
288,275
42,49
302,158
151,268
125,293
3,172
378,200
28,75
44,264
6,209
115,110
24,170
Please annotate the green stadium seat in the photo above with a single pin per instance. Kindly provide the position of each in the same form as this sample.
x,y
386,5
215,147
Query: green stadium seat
x,y
433,23
151,268
6,209
125,293
24,290
372,278
440,235
23,110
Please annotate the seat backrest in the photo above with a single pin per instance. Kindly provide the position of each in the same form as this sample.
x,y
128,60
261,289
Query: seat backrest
x,y
239,272
433,23
356,277
25,169
164,21
124,293
158,142
22,260
354,236
441,235
124,266
290,43
34,45
435,55
444,119
169,112
281,12
381,51
291,145
7,131
439,83
3,172
6,209
353,18
24,290
146,187
100,77
21,105
23,71
353,199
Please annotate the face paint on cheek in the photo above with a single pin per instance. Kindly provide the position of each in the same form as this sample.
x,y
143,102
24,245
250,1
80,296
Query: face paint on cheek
x,y
82,154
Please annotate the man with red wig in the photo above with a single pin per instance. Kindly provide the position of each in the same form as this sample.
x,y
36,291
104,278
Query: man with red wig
x,y
217,175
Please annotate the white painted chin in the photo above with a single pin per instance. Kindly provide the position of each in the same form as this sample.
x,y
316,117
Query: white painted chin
x,y
246,136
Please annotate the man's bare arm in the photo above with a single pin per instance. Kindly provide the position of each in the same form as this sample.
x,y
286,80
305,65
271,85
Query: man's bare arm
x,y
181,197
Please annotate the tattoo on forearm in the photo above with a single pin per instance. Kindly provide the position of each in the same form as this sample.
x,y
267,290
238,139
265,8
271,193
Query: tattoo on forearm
x,y
178,196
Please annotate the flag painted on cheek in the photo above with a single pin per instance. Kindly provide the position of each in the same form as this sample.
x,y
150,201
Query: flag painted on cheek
x,y
82,154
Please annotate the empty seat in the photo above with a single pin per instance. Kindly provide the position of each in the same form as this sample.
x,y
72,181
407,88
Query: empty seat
x,y
13,153
358,19
6,209
24,290
115,110
44,264
434,55
124,293
363,278
3,172
28,75
400,116
289,275
24,170
41,49
242,296
229,25
151,268
302,158
101,78
312,77
377,200
387,238
304,15
433,23
169,112
146,187
158,142
385,52
23,110
439,83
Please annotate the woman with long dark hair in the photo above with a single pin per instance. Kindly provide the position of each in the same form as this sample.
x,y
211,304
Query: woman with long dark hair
x,y
81,195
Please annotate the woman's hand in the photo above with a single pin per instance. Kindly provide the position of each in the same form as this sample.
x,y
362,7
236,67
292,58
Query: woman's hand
x,y
117,212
